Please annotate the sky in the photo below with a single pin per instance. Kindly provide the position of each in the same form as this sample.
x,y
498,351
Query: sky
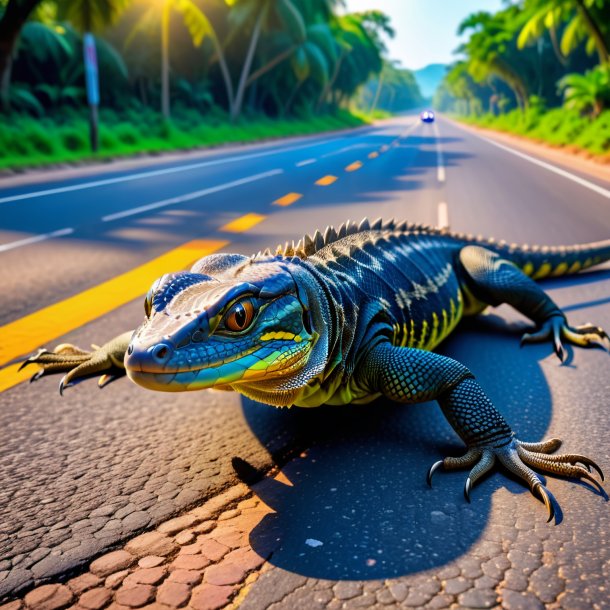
x,y
425,29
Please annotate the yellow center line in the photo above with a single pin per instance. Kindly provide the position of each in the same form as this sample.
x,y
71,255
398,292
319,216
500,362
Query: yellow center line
x,y
326,180
288,199
352,167
373,155
24,335
243,223
384,148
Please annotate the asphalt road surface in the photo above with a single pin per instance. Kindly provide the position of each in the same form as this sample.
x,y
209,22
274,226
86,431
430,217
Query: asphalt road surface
x,y
81,473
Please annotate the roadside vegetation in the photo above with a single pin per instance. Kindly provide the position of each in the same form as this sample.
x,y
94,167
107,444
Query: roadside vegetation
x,y
537,68
180,74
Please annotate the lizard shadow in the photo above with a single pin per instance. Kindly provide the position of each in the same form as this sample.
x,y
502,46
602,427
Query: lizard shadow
x,y
357,505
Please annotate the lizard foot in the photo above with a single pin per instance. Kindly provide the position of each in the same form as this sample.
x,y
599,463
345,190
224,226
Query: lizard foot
x,y
79,364
556,328
516,457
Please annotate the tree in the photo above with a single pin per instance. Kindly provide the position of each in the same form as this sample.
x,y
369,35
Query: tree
x,y
588,93
585,21
198,26
16,13
260,14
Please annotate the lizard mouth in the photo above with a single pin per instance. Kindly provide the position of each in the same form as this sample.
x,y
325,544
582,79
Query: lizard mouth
x,y
243,368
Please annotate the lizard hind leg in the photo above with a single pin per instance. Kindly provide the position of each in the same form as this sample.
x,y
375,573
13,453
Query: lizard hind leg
x,y
495,280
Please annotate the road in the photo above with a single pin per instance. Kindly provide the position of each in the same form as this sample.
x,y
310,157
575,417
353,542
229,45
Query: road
x,y
84,472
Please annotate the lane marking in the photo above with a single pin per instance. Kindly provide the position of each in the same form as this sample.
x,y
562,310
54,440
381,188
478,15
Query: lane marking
x,y
340,151
288,199
352,167
443,215
35,239
243,223
306,162
24,335
159,172
384,148
600,190
373,155
440,161
326,180
191,196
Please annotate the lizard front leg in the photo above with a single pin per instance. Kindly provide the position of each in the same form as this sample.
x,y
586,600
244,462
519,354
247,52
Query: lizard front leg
x,y
410,375
78,364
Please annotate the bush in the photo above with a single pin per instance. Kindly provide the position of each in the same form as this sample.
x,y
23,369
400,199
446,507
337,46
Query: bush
x,y
25,141
559,127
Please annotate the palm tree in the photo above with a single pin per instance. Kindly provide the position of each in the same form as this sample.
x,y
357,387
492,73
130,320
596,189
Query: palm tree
x,y
492,50
586,20
589,92
198,26
12,20
262,13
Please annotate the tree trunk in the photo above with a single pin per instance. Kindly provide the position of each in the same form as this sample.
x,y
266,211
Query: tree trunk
x,y
165,108
224,70
12,21
245,72
291,97
332,80
377,93
601,44
270,65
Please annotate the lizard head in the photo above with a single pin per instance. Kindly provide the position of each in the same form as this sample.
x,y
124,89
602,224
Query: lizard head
x,y
229,321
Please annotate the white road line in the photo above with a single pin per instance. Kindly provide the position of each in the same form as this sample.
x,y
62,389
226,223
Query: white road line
x,y
443,215
333,153
306,162
158,172
552,168
35,239
440,162
409,129
191,196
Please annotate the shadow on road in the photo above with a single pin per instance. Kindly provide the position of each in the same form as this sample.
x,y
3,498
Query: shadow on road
x,y
357,506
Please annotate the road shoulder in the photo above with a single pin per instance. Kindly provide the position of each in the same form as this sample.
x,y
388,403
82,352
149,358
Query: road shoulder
x,y
574,161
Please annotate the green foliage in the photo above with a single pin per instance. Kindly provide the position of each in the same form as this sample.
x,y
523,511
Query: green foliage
x,y
559,127
29,142
587,93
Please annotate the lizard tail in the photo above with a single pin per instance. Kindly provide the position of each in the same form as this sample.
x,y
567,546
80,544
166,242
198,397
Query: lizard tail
x,y
553,261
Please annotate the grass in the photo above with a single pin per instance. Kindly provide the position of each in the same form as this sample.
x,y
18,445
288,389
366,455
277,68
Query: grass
x,y
27,142
558,127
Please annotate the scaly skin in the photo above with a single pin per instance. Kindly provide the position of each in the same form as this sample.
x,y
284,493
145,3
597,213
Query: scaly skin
x,y
349,316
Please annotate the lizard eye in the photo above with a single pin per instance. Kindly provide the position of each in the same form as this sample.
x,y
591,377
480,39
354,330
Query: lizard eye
x,y
240,316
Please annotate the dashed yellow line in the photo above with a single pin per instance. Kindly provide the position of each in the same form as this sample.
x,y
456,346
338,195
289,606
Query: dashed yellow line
x,y
243,223
384,148
288,199
352,167
326,180
25,335
373,155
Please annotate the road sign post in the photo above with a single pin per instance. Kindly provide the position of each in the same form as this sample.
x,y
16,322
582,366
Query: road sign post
x,y
93,89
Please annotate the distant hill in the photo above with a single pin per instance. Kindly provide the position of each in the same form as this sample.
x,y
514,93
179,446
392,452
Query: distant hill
x,y
429,78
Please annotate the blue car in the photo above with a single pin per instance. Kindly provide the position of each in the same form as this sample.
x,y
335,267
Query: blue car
x,y
427,116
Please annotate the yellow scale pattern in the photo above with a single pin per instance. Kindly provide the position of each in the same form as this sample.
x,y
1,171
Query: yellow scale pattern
x,y
407,335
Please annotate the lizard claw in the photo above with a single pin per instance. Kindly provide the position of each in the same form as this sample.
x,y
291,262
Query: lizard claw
x,y
556,328
432,470
546,496
79,364
517,457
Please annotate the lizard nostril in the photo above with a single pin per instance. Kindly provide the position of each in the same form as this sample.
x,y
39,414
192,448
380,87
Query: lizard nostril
x,y
130,349
160,352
